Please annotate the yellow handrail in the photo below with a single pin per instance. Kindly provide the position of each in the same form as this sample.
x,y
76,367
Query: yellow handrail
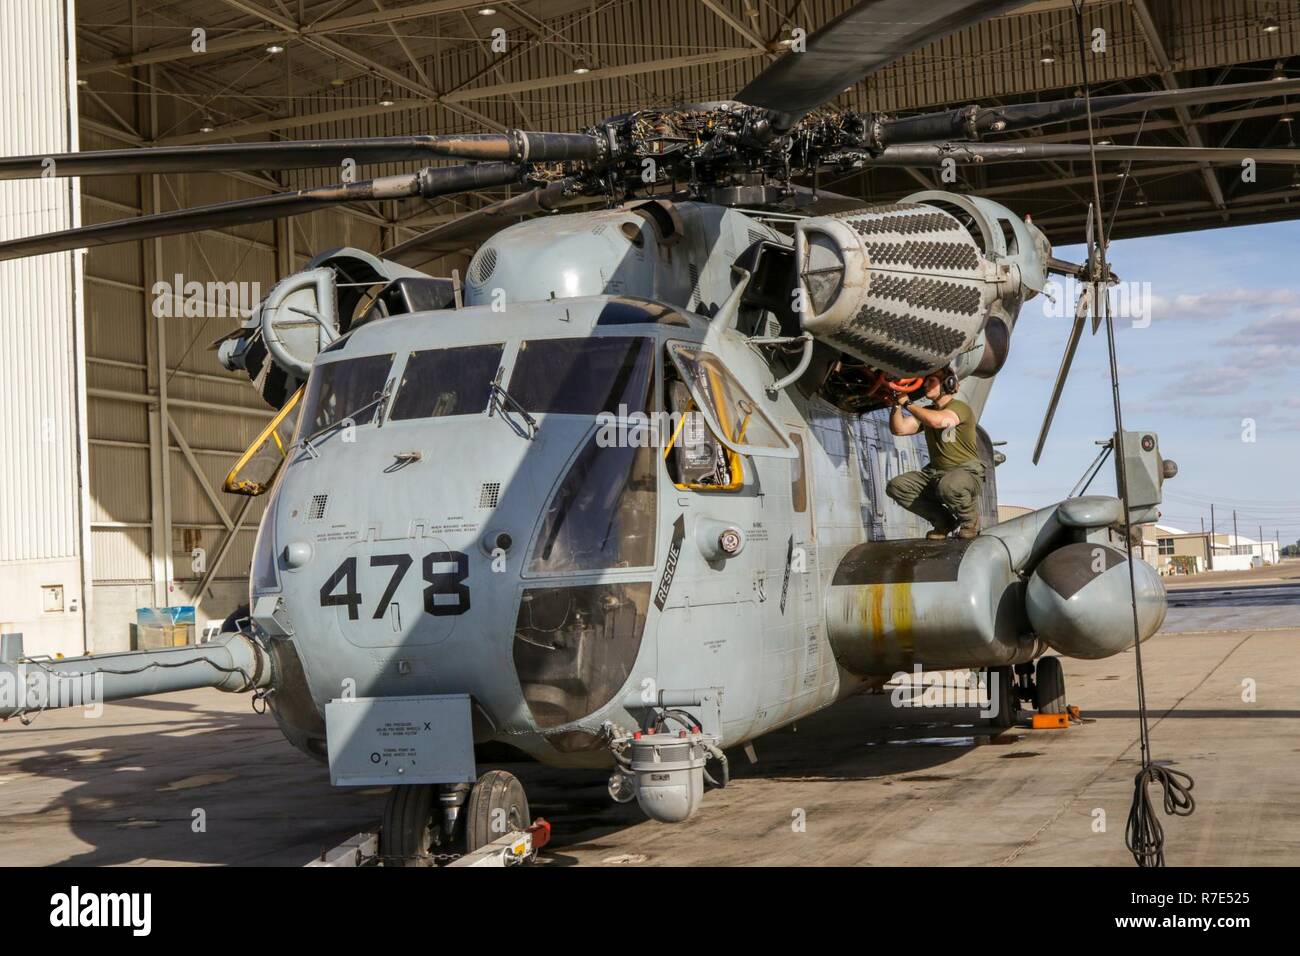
x,y
241,486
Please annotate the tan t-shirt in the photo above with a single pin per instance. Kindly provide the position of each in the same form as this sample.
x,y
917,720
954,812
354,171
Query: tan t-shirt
x,y
950,447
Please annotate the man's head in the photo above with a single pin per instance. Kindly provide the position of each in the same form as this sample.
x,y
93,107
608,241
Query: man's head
x,y
933,387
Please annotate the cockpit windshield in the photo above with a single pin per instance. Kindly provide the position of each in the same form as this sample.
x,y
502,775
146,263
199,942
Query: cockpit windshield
x,y
586,376
440,382
344,389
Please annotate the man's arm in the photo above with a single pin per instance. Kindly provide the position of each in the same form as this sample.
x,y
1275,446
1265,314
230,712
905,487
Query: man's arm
x,y
901,424
939,418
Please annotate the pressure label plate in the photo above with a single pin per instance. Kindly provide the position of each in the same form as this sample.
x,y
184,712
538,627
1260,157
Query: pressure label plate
x,y
376,741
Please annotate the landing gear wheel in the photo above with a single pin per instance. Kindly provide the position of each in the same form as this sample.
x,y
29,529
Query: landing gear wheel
x,y
496,806
1001,683
408,832
1049,686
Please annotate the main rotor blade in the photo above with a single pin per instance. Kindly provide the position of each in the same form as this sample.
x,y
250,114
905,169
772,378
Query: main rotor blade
x,y
514,146
870,35
474,227
1071,346
427,183
974,122
933,154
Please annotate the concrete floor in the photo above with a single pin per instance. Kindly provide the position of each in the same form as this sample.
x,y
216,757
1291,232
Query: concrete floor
x,y
873,784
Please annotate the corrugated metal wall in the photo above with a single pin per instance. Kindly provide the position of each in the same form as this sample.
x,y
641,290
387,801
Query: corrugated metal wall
x,y
40,435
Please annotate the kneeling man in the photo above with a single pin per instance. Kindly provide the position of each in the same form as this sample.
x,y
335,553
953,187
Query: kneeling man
x,y
946,492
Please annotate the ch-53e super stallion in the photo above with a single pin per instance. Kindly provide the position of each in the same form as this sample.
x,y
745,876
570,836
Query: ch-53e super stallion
x,y
617,498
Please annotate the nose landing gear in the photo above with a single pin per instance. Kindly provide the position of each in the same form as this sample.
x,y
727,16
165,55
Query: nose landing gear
x,y
431,824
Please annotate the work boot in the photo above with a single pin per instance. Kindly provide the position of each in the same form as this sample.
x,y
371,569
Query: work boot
x,y
969,530
938,534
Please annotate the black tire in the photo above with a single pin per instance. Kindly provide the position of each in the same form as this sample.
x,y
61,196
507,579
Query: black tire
x,y
406,838
1004,694
1049,686
496,805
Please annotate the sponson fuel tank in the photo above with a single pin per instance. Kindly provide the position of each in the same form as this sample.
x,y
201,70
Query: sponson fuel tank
x,y
936,604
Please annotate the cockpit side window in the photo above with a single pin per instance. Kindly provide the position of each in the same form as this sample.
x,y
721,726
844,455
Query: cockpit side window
x,y
584,376
349,388
441,382
696,460
729,410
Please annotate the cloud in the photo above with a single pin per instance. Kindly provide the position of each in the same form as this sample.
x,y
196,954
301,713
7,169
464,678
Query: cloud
x,y
1219,304
1281,330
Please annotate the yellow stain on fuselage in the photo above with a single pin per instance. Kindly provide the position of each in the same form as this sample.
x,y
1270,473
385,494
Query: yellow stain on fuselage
x,y
885,616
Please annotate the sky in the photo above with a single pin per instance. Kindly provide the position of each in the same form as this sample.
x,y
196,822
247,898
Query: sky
x,y
1210,363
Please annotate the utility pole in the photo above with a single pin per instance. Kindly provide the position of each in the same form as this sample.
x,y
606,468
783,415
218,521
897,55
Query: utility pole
x,y
1211,536
1261,544
1236,541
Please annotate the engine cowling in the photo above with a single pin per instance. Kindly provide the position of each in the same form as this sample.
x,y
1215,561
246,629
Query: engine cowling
x,y
903,287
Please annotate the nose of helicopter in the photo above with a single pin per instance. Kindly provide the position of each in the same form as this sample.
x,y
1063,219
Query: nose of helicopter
x,y
399,557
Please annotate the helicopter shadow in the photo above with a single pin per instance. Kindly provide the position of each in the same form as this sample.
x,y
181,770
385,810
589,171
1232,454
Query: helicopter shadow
x,y
207,788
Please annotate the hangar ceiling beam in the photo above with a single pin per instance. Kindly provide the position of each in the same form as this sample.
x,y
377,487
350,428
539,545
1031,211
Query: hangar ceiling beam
x,y
711,58
357,59
286,30
1166,69
725,15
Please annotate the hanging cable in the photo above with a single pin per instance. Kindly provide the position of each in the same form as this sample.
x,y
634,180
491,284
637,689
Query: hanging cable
x,y
1144,835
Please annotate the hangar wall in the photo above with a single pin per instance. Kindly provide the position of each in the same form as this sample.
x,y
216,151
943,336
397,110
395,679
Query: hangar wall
x,y
42,394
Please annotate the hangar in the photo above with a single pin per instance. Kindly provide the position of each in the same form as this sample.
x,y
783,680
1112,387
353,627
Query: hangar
x,y
120,425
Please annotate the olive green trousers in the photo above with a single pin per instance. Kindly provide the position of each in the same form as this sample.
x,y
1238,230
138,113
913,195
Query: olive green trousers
x,y
947,499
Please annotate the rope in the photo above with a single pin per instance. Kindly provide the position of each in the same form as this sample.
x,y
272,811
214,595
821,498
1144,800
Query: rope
x,y
1144,835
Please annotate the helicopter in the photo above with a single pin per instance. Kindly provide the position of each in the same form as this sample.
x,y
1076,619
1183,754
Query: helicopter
x,y
616,498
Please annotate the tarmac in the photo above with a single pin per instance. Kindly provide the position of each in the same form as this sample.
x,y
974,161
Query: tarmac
x,y
197,778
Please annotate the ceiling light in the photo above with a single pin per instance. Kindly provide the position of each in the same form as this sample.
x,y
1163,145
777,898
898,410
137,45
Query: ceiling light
x,y
82,81
207,126
1269,24
1048,54
1140,199
275,48
1103,142
1279,72
485,11
386,98
1285,119
581,68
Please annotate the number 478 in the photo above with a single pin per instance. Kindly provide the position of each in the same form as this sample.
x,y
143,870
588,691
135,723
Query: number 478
x,y
445,592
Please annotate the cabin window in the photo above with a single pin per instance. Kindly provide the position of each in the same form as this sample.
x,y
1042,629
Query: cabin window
x,y
442,382
602,514
347,389
586,376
